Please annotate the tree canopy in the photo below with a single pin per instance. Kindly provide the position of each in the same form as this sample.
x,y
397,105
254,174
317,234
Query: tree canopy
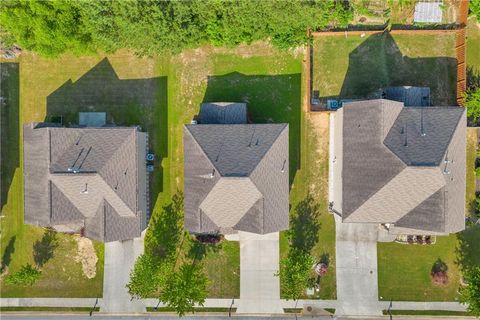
x,y
150,26
470,294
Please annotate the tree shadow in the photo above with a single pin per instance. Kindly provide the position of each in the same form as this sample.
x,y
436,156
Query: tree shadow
x,y
198,251
166,229
378,63
468,249
270,99
7,254
127,102
304,225
9,126
43,250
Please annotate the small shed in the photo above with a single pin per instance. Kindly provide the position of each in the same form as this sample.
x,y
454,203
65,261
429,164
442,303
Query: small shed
x,y
428,12
92,119
410,96
223,113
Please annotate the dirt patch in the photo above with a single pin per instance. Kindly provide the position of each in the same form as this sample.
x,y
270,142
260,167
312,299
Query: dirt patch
x,y
87,256
319,126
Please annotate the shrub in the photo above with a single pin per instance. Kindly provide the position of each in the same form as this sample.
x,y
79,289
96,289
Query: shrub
x,y
27,275
439,272
470,294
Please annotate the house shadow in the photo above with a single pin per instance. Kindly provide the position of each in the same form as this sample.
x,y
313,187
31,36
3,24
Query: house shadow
x,y
378,62
270,99
9,127
127,102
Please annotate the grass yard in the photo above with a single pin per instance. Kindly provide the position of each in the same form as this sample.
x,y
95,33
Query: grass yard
x,y
315,225
160,94
473,43
404,270
356,67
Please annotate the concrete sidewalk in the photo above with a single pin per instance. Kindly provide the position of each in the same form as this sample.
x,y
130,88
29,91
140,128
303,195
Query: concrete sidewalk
x,y
225,303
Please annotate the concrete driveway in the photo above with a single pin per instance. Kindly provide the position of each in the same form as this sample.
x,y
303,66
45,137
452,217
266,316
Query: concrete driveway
x,y
259,262
120,258
357,278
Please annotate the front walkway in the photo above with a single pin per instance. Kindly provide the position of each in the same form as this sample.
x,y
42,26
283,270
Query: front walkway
x,y
356,259
259,262
120,258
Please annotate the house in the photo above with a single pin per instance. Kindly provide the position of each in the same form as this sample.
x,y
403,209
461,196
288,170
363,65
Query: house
x,y
236,174
87,180
402,167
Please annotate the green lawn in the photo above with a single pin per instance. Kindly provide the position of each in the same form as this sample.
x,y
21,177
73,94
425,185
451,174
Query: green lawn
x,y
316,225
473,43
160,94
356,67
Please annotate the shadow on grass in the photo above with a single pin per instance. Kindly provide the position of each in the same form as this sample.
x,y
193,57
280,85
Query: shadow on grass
x,y
127,102
9,126
378,62
270,99
43,250
468,250
166,229
7,254
304,226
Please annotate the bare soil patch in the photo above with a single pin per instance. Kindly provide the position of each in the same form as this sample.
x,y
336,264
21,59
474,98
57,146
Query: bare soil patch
x,y
87,256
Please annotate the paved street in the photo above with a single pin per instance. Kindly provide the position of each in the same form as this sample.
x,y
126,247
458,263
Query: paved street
x,y
356,252
120,258
259,262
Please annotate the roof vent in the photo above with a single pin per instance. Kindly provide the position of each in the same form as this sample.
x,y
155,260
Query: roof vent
x,y
85,191
406,136
212,174
283,166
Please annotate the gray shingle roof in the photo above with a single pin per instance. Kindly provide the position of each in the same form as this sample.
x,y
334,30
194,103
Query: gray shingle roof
x,y
72,173
235,150
415,185
236,178
410,96
223,113
421,136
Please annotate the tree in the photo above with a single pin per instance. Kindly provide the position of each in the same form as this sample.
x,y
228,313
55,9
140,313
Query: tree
x,y
150,27
46,27
27,275
470,294
475,8
147,276
295,273
185,288
472,103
